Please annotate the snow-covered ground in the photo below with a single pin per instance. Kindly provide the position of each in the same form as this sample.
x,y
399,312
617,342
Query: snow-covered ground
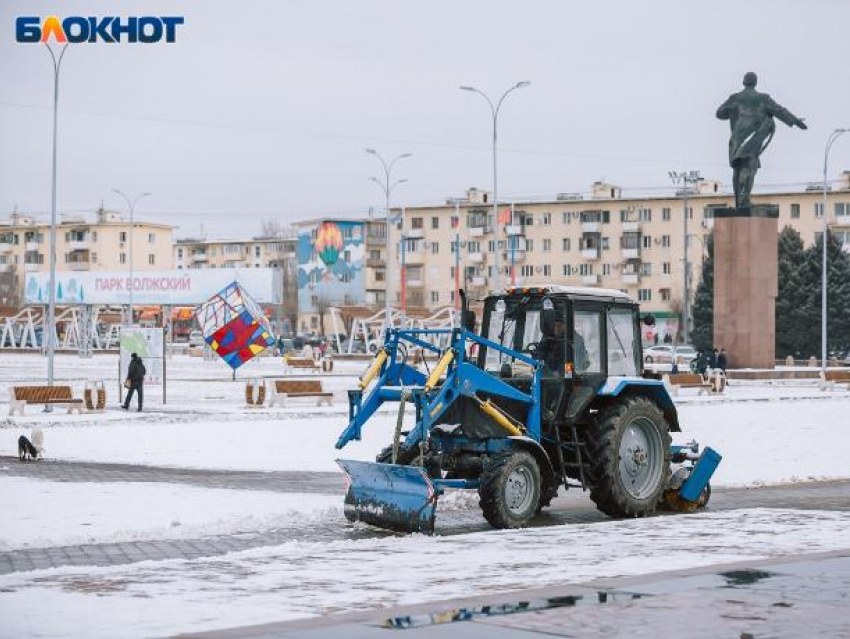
x,y
299,579
41,514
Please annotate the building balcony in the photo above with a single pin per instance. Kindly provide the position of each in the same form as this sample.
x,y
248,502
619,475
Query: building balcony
x,y
78,266
590,227
631,227
414,283
6,247
478,281
376,263
631,253
5,268
29,268
590,280
631,278
514,229
590,253
475,258
518,256
414,257
376,240
32,246
78,245
200,257
479,231
415,234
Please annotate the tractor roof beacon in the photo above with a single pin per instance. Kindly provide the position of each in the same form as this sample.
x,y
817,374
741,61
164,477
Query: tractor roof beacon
x,y
550,394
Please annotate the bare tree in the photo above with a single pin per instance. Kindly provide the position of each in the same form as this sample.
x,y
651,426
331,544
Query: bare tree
x,y
274,230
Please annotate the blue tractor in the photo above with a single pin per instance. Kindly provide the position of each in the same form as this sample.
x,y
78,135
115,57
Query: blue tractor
x,y
550,394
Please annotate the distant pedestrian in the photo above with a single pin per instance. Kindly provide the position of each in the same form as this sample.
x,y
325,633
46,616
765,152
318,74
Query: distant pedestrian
x,y
668,339
722,360
135,381
712,359
701,362
655,338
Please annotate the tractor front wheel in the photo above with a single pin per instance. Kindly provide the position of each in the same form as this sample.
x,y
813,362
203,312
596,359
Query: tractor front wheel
x,y
510,489
630,445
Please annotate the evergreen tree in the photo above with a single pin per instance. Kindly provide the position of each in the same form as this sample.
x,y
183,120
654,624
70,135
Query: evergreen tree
x,y
838,297
702,337
793,313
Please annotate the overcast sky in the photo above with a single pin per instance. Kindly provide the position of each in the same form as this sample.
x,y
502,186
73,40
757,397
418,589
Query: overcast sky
x,y
262,110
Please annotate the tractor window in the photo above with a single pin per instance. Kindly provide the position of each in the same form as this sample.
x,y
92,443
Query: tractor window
x,y
531,333
587,342
502,332
622,358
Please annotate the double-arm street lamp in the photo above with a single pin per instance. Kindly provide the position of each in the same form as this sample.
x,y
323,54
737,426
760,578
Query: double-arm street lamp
x,y
687,179
387,186
494,110
829,142
131,204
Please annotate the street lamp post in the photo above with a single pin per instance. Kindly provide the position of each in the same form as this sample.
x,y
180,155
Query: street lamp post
x,y
829,142
494,110
687,179
131,204
387,187
50,327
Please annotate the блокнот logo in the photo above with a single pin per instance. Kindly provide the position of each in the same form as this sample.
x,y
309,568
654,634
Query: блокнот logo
x,y
77,29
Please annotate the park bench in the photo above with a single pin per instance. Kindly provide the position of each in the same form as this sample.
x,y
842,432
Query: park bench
x,y
677,381
255,393
829,379
283,389
53,395
94,397
302,363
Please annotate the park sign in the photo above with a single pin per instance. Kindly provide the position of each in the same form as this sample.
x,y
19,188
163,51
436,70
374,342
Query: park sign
x,y
183,287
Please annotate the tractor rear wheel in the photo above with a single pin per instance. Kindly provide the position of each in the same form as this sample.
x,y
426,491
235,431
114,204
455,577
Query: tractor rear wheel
x,y
630,447
510,489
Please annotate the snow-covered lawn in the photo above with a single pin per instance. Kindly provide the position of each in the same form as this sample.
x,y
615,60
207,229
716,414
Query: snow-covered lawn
x,y
300,579
41,514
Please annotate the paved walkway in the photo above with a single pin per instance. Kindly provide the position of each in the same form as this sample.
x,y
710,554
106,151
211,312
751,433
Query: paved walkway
x,y
573,507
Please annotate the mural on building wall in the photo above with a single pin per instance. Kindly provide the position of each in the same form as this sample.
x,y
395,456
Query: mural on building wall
x,y
330,265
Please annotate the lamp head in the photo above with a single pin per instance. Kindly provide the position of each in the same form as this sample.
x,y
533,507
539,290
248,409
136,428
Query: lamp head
x,y
522,84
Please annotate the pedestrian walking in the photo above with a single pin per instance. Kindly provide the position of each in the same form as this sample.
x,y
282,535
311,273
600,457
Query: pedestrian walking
x,y
712,359
135,381
701,362
722,360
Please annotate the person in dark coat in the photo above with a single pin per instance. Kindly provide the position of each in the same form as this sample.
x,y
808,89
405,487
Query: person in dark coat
x,y
701,362
712,359
722,360
136,378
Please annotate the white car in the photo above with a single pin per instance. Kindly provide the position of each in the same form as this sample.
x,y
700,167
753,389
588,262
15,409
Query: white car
x,y
664,354
196,338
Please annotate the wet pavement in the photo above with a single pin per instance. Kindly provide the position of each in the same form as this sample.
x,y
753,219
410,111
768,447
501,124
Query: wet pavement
x,y
570,508
804,596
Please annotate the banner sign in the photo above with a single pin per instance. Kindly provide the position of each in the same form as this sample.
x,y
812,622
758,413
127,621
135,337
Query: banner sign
x,y
147,343
187,287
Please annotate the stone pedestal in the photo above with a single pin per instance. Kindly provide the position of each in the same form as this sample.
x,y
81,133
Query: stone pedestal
x,y
745,286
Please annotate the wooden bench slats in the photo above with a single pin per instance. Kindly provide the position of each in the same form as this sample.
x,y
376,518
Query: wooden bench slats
x,y
298,386
60,395
837,376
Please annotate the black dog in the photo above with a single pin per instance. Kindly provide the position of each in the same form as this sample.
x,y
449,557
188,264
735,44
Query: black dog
x,y
26,450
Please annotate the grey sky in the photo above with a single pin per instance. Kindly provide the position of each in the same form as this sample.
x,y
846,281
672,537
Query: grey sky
x,y
263,109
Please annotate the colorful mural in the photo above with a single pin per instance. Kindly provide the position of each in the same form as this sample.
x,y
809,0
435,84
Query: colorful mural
x,y
330,264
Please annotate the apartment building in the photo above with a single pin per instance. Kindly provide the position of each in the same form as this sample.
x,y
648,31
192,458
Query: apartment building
x,y
83,243
633,244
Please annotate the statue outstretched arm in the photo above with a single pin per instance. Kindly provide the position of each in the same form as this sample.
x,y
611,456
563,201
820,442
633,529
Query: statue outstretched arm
x,y
726,109
781,113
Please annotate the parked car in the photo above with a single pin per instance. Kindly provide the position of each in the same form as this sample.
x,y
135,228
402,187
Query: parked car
x,y
665,353
285,346
196,338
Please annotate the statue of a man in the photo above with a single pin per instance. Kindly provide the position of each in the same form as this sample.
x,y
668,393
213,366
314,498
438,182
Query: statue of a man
x,y
750,116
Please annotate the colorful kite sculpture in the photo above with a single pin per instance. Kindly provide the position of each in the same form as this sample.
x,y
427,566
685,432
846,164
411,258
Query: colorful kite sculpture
x,y
234,325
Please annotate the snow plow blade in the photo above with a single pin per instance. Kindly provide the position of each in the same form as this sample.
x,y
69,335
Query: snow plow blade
x,y
400,498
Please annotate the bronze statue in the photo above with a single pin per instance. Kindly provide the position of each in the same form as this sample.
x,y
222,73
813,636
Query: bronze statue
x,y
750,116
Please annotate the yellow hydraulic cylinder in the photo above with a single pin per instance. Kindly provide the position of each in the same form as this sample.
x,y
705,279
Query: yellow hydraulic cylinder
x,y
374,369
439,369
501,419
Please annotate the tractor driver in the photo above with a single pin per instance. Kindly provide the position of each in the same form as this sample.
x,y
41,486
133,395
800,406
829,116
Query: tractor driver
x,y
552,348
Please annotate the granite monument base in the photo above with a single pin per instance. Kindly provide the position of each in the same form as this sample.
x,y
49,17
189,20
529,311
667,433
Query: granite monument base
x,y
745,285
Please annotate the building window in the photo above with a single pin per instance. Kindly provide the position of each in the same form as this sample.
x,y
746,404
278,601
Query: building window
x,y
122,258
647,241
529,245
455,221
435,295
665,268
151,259
151,238
527,270
605,244
565,244
547,270
645,215
565,217
122,236
435,222
180,254
547,219
646,268
547,245
665,214
379,276
842,209
665,294
416,223
566,270
665,241
346,255
644,294
257,250
606,269
795,211
585,269
94,258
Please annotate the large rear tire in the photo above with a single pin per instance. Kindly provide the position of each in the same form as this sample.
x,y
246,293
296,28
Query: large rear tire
x,y
630,462
510,489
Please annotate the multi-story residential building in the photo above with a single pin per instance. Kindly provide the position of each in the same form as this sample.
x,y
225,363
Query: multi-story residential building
x,y
82,244
257,252
634,244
